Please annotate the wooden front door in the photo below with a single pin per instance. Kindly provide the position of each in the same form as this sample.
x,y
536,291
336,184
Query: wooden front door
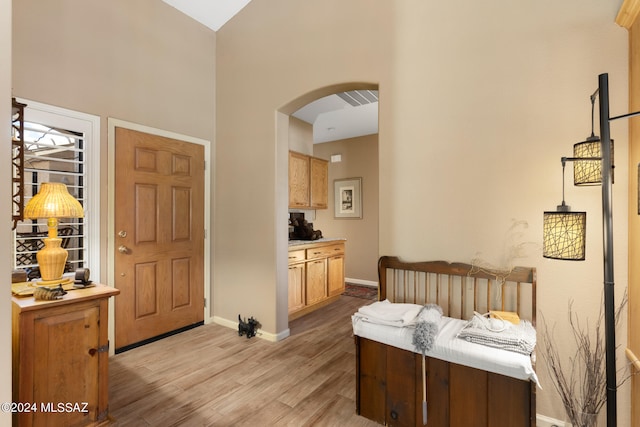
x,y
159,241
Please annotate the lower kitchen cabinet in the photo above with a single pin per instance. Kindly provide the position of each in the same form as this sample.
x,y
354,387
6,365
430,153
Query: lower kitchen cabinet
x,y
316,279
60,359
335,275
296,286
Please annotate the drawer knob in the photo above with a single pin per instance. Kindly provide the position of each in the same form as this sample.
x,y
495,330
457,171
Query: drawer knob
x,y
394,415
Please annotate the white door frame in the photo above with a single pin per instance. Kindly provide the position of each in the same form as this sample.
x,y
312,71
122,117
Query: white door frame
x,y
111,146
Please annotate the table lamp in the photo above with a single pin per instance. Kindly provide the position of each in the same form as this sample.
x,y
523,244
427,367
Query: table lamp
x,y
53,201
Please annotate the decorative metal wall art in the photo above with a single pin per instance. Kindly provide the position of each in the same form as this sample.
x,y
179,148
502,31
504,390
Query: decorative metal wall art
x,y
17,160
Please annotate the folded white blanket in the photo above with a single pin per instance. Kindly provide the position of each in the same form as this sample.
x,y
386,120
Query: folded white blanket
x,y
519,338
392,314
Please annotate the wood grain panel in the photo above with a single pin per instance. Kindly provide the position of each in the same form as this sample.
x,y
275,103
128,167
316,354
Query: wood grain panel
x,y
181,213
437,392
401,387
146,295
180,165
468,406
146,197
146,160
299,190
181,288
516,395
372,401
55,364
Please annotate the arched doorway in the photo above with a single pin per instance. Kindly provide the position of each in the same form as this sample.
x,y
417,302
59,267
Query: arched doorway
x,y
285,120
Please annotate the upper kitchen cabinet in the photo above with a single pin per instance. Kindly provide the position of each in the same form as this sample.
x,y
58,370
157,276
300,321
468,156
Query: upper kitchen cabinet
x,y
308,182
319,170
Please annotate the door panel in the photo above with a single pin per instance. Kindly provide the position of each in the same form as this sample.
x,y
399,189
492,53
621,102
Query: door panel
x,y
159,242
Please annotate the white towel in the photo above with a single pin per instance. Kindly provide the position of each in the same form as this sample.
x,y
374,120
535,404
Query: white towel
x,y
520,338
388,313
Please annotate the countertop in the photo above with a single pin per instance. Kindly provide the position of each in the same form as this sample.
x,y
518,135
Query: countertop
x,y
323,240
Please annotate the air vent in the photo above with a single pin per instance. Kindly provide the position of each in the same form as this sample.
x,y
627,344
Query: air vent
x,y
359,97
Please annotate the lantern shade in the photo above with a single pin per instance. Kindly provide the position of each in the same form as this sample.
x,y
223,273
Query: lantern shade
x,y
589,172
564,235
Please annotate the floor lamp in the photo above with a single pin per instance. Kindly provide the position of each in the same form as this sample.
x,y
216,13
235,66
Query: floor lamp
x,y
569,235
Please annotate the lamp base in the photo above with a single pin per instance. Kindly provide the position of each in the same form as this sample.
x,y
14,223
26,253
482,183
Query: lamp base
x,y
61,281
51,259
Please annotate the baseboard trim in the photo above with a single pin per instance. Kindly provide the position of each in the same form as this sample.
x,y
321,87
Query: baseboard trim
x,y
362,282
268,336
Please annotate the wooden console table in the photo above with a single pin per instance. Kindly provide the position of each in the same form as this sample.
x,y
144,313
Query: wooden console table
x,y
60,359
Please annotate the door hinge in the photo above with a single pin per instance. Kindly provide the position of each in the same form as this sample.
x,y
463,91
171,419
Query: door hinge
x,y
204,165
104,348
205,303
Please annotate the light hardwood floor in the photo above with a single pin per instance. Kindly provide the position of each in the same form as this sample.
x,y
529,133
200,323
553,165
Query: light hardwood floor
x,y
210,376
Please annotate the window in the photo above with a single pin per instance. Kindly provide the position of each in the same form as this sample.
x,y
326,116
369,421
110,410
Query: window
x,y
61,146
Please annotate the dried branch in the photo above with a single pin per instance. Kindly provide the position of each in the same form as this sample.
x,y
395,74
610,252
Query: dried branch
x,y
583,387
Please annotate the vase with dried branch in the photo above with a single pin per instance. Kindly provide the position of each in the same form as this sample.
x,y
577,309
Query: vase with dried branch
x,y
583,386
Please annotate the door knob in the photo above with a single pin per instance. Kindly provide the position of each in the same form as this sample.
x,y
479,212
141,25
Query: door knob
x,y
122,233
123,249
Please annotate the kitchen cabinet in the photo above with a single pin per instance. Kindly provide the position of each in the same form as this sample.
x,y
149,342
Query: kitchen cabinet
x,y
319,183
60,358
308,182
335,272
316,281
316,275
297,275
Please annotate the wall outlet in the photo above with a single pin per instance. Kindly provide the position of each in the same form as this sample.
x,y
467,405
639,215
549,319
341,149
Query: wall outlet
x,y
543,421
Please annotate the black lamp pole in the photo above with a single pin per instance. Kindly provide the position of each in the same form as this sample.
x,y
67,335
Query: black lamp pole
x,y
607,241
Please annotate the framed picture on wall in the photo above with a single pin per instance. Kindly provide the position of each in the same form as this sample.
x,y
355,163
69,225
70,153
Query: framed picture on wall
x,y
347,196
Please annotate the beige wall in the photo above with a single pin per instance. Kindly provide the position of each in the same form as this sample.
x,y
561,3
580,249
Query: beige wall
x,y
478,102
5,216
300,136
142,62
359,159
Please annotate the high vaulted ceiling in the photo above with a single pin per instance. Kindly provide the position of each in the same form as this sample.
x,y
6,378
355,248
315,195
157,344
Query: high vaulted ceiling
x,y
334,117
211,13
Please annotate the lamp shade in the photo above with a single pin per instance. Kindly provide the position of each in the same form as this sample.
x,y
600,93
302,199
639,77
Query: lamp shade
x,y
564,235
53,201
589,172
